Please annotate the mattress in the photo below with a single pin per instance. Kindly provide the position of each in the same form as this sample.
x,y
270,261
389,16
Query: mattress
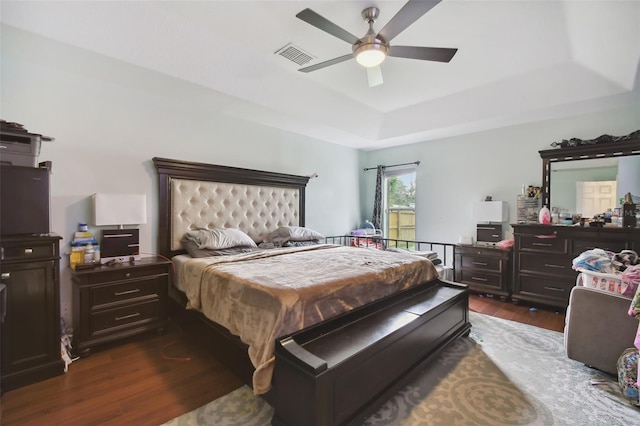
x,y
263,295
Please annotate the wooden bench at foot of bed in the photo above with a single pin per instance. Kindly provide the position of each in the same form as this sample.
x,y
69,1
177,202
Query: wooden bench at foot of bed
x,y
342,370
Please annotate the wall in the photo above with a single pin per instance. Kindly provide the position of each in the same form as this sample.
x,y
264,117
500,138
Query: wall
x,y
109,119
456,171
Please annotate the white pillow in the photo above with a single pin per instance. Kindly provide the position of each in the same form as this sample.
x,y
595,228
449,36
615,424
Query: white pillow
x,y
219,238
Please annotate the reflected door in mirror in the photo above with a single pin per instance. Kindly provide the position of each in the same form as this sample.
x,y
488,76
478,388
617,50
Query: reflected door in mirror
x,y
595,197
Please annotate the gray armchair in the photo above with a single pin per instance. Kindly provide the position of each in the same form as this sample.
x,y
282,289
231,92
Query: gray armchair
x,y
597,328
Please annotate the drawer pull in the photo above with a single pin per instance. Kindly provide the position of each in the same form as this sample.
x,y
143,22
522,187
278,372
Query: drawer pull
x,y
479,263
543,236
561,290
542,244
549,265
28,251
6,275
137,314
122,293
479,279
128,274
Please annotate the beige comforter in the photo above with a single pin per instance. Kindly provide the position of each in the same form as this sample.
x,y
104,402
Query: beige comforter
x,y
260,296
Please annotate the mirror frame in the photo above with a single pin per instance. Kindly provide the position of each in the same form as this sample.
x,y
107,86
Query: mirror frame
x,y
602,147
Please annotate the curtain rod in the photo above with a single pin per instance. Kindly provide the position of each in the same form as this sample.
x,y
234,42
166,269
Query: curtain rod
x,y
417,163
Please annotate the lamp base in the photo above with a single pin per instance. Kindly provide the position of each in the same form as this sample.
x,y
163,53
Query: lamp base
x,y
120,244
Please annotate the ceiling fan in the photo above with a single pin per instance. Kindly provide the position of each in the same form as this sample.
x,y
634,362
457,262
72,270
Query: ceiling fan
x,y
373,48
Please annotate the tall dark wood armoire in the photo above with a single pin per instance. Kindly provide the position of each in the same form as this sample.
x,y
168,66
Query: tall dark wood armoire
x,y
30,277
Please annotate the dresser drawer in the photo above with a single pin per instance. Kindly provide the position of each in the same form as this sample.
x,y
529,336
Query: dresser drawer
x,y
472,277
28,251
120,274
549,287
124,291
480,262
110,320
579,246
549,264
549,243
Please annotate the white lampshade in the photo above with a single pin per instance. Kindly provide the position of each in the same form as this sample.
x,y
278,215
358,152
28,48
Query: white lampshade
x,y
119,209
491,211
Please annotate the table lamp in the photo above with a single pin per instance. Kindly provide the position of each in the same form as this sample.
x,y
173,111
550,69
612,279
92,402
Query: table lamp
x,y
121,244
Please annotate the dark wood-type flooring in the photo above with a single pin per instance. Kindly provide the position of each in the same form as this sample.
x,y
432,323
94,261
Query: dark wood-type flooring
x,y
151,379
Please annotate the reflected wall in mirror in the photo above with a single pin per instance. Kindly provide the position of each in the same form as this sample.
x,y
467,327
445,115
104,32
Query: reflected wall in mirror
x,y
585,187
591,177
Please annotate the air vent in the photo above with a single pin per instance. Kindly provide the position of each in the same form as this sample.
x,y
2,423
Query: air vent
x,y
295,54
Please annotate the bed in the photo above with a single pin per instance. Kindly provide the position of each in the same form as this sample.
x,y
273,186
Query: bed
x,y
317,353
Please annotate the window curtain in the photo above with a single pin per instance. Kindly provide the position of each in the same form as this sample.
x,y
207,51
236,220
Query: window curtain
x,y
377,201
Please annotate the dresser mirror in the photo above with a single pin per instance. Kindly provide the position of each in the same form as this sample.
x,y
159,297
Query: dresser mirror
x,y
611,164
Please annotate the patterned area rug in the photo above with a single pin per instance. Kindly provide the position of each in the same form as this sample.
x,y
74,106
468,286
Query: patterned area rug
x,y
504,373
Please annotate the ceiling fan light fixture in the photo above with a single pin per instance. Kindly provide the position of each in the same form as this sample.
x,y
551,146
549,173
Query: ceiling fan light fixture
x,y
371,55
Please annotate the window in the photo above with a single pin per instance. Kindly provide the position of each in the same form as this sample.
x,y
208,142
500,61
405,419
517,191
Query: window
x,y
399,220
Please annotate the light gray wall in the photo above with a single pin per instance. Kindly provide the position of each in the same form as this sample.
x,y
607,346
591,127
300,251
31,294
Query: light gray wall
x,y
455,172
109,119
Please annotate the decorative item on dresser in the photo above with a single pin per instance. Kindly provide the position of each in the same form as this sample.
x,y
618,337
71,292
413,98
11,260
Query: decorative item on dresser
x,y
543,257
114,302
30,326
485,269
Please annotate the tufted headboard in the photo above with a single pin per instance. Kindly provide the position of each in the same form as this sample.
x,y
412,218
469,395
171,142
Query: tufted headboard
x,y
197,195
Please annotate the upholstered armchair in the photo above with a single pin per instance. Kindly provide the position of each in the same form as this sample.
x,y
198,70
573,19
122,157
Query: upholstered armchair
x,y
598,328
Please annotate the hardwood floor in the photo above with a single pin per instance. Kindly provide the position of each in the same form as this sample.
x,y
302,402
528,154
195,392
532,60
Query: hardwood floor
x,y
152,379
540,317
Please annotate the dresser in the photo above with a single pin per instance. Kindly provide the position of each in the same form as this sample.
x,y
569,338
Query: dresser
x,y
543,256
485,269
30,329
114,302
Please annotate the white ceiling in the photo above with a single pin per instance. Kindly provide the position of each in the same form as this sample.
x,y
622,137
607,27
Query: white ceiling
x,y
518,61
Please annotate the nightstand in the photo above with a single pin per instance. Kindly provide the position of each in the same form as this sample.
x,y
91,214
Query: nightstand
x,y
114,302
485,269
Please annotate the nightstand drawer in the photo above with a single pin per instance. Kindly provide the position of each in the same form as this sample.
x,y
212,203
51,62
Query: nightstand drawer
x,y
479,277
111,320
484,269
549,243
124,291
120,273
114,302
481,262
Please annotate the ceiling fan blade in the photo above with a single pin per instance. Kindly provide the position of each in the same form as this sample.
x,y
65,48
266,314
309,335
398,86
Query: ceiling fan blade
x,y
410,12
327,63
374,75
439,54
311,17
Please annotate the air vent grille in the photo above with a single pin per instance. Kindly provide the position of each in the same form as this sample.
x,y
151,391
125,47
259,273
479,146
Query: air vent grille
x,y
295,54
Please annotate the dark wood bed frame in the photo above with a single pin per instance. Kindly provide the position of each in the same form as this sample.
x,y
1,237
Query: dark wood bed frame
x,y
341,370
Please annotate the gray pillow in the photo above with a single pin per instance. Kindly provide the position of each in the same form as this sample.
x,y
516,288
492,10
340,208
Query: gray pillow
x,y
219,238
293,233
192,248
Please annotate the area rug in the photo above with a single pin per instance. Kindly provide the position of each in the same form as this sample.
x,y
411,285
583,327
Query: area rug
x,y
504,373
